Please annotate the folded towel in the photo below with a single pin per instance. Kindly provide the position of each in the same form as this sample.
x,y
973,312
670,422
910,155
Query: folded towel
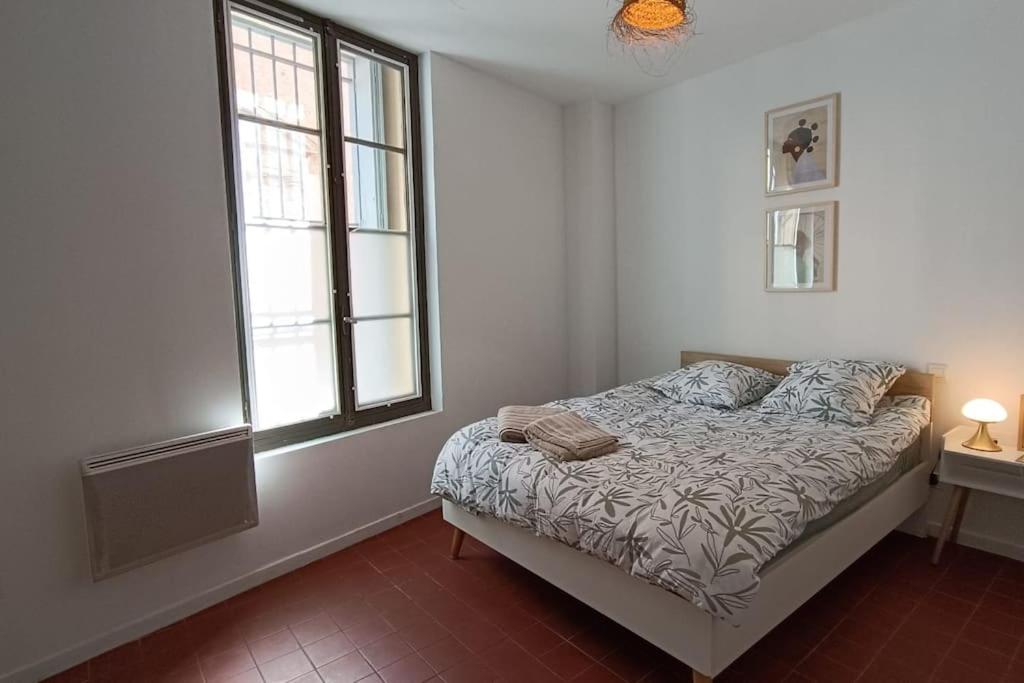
x,y
512,420
568,436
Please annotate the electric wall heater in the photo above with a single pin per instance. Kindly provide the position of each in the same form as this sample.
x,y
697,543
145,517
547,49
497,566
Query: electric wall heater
x,y
143,504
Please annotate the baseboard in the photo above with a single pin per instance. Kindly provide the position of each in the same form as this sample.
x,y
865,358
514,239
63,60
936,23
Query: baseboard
x,y
164,617
996,546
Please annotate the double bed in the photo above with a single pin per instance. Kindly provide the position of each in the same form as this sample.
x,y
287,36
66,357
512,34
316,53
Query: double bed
x,y
707,527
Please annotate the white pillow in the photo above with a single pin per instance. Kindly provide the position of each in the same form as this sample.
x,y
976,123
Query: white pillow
x,y
716,384
835,390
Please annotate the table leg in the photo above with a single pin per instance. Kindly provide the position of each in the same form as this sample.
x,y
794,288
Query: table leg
x,y
960,515
953,512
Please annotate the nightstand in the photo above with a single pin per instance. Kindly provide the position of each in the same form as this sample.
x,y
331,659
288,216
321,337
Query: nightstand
x,y
967,470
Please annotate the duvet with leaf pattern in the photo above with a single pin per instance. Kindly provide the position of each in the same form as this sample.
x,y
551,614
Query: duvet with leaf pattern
x,y
696,500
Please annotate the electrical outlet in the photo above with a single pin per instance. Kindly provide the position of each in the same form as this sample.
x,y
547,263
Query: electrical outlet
x,y
938,369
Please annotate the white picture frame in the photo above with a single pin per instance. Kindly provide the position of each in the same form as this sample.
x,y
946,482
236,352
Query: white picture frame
x,y
802,146
800,248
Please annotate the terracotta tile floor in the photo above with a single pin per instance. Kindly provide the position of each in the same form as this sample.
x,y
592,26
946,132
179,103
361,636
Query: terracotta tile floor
x,y
395,609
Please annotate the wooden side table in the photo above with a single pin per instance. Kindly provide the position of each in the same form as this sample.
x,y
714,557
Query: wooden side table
x,y
969,470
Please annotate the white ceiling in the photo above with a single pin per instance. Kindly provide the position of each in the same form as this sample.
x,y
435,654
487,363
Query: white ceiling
x,y
559,48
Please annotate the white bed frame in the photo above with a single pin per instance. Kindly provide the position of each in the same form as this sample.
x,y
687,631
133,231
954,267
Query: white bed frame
x,y
706,644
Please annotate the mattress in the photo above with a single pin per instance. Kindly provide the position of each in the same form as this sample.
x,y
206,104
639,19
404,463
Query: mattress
x,y
906,461
696,500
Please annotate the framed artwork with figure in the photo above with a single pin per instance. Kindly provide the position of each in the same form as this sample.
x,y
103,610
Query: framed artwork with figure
x,y
802,146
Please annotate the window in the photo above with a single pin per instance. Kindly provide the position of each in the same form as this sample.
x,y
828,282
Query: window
x,y
321,130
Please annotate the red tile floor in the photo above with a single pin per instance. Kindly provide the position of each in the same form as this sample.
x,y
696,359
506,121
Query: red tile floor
x,y
395,608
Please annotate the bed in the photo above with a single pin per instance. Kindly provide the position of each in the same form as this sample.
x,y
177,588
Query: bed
x,y
707,528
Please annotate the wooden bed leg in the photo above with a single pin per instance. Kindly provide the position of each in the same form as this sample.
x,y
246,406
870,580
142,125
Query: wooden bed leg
x,y
698,677
458,536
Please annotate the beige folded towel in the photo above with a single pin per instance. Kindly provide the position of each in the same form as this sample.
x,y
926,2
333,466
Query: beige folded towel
x,y
512,420
568,436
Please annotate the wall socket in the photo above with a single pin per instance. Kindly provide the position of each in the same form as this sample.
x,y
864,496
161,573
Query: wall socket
x,y
939,370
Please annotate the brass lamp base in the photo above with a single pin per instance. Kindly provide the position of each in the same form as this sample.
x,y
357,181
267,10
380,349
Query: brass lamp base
x,y
982,441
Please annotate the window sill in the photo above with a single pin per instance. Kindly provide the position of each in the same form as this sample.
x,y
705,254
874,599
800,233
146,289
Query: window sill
x,y
319,441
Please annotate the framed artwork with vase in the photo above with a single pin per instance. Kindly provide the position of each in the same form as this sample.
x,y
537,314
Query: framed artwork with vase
x,y
800,248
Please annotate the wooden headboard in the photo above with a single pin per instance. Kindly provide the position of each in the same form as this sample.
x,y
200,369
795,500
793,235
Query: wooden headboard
x,y
911,383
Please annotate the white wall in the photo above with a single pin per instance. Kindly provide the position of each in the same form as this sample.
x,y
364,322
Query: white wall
x,y
119,330
931,234
590,246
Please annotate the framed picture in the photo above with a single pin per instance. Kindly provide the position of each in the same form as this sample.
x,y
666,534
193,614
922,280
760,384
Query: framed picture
x,y
1020,426
802,146
800,248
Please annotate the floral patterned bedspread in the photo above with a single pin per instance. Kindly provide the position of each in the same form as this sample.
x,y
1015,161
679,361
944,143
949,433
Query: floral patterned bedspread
x,y
696,500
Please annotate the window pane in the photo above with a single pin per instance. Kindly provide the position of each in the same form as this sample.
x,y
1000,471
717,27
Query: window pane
x,y
287,105
373,99
308,114
379,265
240,35
287,258
266,98
385,360
261,40
282,174
243,82
294,368
304,55
289,281
276,78
375,188
284,48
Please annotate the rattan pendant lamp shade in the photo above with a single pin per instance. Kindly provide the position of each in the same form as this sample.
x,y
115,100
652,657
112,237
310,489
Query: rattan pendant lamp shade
x,y
653,31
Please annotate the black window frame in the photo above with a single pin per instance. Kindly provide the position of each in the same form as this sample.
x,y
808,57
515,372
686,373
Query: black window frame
x,y
330,33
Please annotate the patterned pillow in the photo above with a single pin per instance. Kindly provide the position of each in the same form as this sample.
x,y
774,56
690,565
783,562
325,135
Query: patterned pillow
x,y
716,384
844,391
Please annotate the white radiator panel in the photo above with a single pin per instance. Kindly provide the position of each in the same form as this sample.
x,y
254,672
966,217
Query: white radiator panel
x,y
146,503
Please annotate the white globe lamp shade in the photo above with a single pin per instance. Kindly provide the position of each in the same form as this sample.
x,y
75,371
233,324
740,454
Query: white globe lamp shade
x,y
984,411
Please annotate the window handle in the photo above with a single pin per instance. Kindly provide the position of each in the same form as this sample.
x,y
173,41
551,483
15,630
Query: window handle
x,y
353,319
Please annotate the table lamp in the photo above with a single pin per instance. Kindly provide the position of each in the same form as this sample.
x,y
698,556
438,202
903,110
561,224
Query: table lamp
x,y
985,412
